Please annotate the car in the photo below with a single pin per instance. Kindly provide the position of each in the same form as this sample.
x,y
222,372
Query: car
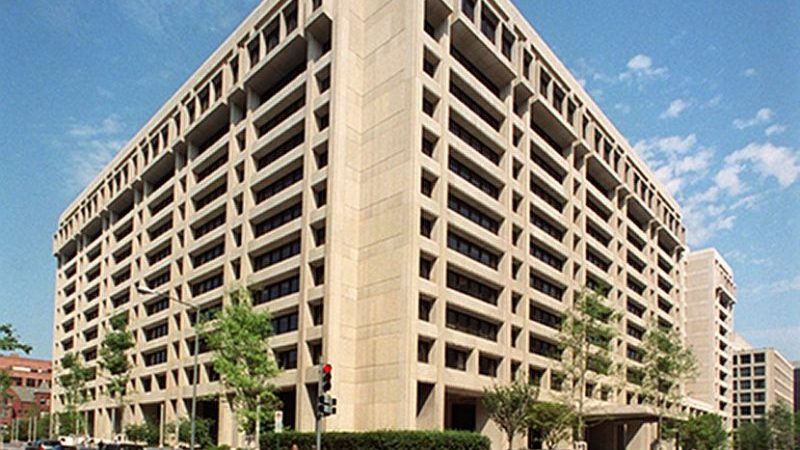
x,y
47,444
119,446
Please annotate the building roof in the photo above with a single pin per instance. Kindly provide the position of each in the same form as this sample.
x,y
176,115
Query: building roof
x,y
27,394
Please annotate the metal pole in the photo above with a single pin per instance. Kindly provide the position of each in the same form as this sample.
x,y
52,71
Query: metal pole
x,y
316,412
194,374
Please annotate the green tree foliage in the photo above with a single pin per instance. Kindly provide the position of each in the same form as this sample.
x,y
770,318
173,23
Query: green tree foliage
x,y
239,338
667,364
73,379
509,406
114,360
553,420
9,341
587,336
182,430
384,439
781,424
753,436
704,432
144,432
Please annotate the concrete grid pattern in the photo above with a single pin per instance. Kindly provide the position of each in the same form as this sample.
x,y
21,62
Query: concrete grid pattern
x,y
414,190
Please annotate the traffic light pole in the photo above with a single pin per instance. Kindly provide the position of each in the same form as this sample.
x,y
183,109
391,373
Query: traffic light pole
x,y
318,413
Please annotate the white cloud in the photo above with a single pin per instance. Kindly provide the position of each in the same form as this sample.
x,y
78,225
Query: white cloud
x,y
714,101
108,126
88,159
775,129
623,108
728,179
749,72
676,160
763,115
768,160
641,66
676,107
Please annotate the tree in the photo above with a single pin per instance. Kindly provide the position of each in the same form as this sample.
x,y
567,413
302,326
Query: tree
x,y
704,432
667,364
553,420
753,436
9,342
781,424
114,360
510,406
73,380
587,335
244,360
182,431
143,432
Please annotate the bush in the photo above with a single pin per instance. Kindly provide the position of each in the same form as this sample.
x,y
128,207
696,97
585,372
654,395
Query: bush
x,y
379,440
144,432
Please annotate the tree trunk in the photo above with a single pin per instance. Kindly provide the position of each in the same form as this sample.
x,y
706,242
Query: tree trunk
x,y
258,422
510,441
113,424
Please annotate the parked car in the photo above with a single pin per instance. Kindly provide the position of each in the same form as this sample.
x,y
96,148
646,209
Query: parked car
x,y
119,446
48,444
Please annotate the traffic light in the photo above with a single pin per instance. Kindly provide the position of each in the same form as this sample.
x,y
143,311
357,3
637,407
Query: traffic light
x,y
326,405
326,377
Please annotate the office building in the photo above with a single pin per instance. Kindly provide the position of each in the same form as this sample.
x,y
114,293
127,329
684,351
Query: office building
x,y
762,379
710,297
415,190
796,365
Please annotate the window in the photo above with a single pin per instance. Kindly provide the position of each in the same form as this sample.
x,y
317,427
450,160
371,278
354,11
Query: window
x,y
317,313
758,357
540,284
156,331
470,324
488,24
541,223
473,214
276,255
206,285
425,267
545,256
468,7
276,290
285,323
472,287
287,359
472,141
278,219
545,317
473,177
284,148
456,358
209,226
208,255
425,308
472,250
544,348
156,306
488,365
204,201
423,350
156,357
279,185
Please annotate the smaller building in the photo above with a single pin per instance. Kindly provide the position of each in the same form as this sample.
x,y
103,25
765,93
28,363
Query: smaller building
x,y
25,402
762,379
30,390
796,387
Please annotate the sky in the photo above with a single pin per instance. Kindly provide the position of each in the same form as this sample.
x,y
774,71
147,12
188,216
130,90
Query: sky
x,y
708,94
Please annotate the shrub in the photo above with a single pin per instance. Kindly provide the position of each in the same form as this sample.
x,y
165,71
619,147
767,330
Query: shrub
x,y
380,440
143,432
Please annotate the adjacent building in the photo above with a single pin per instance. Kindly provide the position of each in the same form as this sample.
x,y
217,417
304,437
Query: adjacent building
x,y
710,298
415,190
30,389
762,379
796,365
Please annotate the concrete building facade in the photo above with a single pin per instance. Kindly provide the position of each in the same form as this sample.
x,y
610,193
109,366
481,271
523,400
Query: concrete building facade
x,y
710,298
762,379
415,190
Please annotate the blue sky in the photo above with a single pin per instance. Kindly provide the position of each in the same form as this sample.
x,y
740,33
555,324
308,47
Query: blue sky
x,y
708,94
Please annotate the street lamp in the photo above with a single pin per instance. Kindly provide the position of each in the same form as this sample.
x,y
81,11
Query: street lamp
x,y
143,289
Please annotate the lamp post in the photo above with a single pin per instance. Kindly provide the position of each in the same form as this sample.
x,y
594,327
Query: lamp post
x,y
146,290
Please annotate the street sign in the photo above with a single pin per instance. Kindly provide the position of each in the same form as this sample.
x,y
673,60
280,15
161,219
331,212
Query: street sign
x,y
278,421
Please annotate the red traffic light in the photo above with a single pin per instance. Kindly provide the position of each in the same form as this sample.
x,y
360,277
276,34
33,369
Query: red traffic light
x,y
327,368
